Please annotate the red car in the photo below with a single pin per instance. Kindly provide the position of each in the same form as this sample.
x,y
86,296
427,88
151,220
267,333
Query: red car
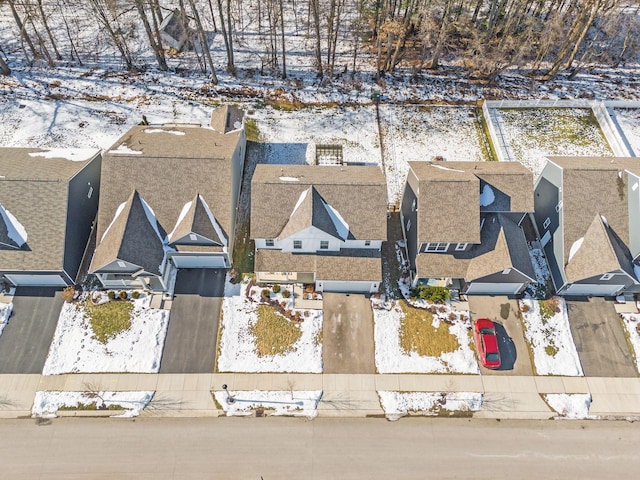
x,y
487,342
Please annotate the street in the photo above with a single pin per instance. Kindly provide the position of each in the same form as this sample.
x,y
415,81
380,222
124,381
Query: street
x,y
281,448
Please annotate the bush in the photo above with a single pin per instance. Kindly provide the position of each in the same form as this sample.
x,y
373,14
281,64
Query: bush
x,y
431,294
524,307
276,288
135,294
68,294
266,293
123,295
111,295
286,293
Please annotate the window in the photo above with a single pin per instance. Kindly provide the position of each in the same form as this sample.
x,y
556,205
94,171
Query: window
x,y
367,243
413,205
506,271
461,246
269,242
558,206
324,244
607,276
297,244
121,264
408,225
437,247
90,192
193,236
546,223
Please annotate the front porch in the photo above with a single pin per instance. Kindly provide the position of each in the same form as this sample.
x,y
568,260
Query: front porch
x,y
306,300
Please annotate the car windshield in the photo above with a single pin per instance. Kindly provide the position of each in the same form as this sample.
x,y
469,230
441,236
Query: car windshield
x,y
492,357
487,331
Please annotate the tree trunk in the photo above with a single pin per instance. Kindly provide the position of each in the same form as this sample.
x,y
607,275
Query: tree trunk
x,y
315,10
284,49
157,48
4,68
203,43
23,31
43,17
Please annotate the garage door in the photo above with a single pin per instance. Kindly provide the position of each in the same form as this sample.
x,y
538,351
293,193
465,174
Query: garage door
x,y
36,280
493,288
199,261
593,290
336,286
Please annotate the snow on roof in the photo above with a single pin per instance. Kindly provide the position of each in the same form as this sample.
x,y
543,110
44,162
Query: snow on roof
x,y
289,179
15,229
342,227
124,150
160,130
73,154
183,212
118,212
213,221
575,247
442,167
487,196
303,195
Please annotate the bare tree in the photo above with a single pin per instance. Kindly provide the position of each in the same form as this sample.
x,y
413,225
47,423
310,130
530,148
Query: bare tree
x,y
204,44
156,46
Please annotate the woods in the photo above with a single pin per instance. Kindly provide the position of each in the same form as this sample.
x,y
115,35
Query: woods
x,y
482,38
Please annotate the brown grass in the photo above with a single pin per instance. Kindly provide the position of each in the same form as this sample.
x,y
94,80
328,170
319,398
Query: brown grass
x,y
275,335
417,333
109,319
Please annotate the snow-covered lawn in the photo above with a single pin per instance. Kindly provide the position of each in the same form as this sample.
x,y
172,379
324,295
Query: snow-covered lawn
x,y
75,349
5,313
569,405
629,121
294,403
392,358
123,404
238,345
534,133
291,136
399,404
423,132
631,322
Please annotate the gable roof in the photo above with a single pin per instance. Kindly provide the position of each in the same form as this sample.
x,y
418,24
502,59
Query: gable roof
x,y
227,118
448,192
196,217
132,236
358,195
34,188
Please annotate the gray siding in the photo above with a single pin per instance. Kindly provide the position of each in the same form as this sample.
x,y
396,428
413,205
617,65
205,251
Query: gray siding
x,y
407,215
81,213
450,249
200,240
620,278
237,169
514,276
634,213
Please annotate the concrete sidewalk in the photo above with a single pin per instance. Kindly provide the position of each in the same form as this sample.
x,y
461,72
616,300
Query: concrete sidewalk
x,y
343,395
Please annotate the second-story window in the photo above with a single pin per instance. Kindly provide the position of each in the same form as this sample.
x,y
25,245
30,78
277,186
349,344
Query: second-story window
x,y
324,244
367,243
297,244
269,242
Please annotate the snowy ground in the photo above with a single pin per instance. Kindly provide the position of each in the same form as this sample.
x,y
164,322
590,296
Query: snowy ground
x,y
631,322
293,403
629,121
237,350
47,403
391,358
138,349
399,404
569,405
5,313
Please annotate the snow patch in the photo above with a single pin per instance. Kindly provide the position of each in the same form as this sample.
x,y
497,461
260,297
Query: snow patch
x,y
73,154
399,404
487,196
5,313
342,227
301,198
575,247
15,229
631,322
159,130
183,213
117,214
299,403
124,150
289,179
214,222
569,405
442,167
47,403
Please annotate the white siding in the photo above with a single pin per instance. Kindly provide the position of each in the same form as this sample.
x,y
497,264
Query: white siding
x,y
199,261
592,290
478,288
345,286
20,279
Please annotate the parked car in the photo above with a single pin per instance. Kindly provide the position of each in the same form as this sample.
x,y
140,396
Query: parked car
x,y
487,343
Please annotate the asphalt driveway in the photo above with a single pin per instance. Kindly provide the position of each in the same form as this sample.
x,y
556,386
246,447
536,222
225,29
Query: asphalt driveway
x,y
514,351
190,346
25,341
347,334
599,338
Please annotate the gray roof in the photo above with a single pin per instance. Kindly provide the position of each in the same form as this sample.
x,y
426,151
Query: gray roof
x,y
311,210
502,246
131,237
450,191
594,187
35,190
227,118
358,194
196,220
344,265
173,165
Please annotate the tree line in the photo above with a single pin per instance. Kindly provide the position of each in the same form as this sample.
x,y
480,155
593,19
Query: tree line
x,y
481,37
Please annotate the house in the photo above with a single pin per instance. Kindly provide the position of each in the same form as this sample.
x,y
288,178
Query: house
x,y
588,217
168,201
175,31
321,225
462,225
48,203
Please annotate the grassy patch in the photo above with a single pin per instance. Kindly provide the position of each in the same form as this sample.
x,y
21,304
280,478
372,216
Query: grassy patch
x,y
627,336
91,406
551,350
252,131
243,252
417,334
275,335
109,319
319,338
548,308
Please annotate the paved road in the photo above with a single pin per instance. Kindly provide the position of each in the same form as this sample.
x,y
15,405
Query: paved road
x,y
347,334
272,448
599,339
190,346
25,341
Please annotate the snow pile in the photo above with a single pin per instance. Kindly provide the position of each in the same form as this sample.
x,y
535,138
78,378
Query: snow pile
x,y
391,358
5,313
47,403
631,322
124,150
138,349
554,352
399,404
73,154
238,345
569,405
15,230
299,403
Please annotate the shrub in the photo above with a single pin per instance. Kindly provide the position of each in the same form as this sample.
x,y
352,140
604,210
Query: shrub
x,y
111,295
452,317
123,295
68,294
266,293
431,294
286,293
135,294
524,307
276,288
